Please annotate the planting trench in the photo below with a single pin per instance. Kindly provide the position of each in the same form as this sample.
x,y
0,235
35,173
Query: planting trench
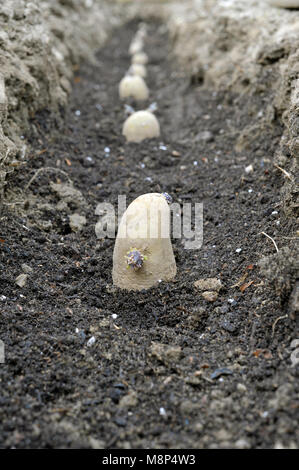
x,y
168,368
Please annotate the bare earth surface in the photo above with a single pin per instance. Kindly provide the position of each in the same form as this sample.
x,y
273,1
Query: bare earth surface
x,y
173,369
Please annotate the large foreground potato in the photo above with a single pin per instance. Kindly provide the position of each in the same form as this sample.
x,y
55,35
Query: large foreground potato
x,y
143,253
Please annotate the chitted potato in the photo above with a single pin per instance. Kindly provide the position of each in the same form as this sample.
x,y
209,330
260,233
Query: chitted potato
x,y
133,86
285,3
136,46
141,125
140,58
143,254
138,69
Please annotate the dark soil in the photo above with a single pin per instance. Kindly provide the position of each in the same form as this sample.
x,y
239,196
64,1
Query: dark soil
x,y
149,379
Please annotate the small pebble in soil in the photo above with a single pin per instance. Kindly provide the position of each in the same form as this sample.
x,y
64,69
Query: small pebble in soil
x,y
210,296
208,284
77,222
249,169
229,326
222,371
26,269
119,385
91,341
121,421
242,444
198,427
162,411
241,388
222,309
205,136
129,401
81,335
21,280
89,159
115,395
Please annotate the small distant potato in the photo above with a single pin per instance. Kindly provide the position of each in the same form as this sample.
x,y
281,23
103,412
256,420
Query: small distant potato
x,y
136,46
140,126
140,58
138,69
284,3
133,86
142,31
